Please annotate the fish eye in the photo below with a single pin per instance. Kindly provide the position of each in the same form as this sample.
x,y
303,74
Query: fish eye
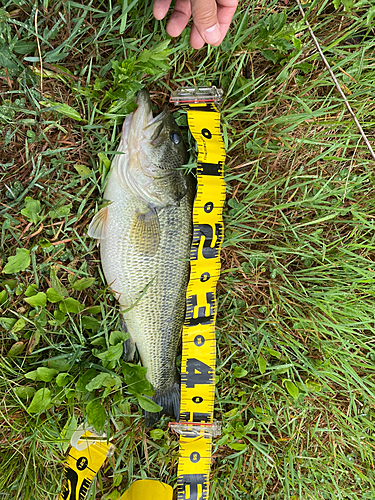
x,y
175,138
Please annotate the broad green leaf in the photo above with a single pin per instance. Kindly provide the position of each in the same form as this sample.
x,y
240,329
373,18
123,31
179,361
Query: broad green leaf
x,y
135,379
18,262
63,379
31,290
270,55
31,210
16,349
90,323
61,364
44,243
118,337
56,283
237,446
85,379
83,283
53,295
114,495
157,433
69,429
24,392
370,15
7,323
239,372
82,170
273,353
71,305
60,212
3,296
40,299
60,317
24,47
262,364
69,392
100,341
64,109
12,284
291,388
42,374
101,380
114,353
313,386
46,374
93,310
96,415
223,440
148,405
18,325
41,401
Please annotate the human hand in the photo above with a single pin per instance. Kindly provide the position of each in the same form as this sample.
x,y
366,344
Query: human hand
x,y
211,19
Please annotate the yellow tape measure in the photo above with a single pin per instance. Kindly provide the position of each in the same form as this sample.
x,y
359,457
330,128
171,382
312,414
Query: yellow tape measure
x,y
196,426
198,336
86,456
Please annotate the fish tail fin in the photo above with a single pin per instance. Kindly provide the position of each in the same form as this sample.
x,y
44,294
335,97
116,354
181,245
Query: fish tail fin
x,y
169,399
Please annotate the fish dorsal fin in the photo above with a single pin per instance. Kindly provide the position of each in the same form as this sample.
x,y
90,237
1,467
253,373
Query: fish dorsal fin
x,y
145,232
98,225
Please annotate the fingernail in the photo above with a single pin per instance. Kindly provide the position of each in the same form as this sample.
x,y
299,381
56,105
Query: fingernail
x,y
212,35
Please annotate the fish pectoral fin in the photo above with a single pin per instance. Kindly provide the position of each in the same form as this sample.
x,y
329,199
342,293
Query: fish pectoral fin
x,y
145,232
98,225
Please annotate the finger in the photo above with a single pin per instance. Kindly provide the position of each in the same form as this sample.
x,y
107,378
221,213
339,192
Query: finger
x,y
205,20
225,13
179,17
196,41
160,8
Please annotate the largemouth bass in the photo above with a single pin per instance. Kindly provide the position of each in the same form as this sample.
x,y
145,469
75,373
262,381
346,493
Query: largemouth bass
x,y
145,235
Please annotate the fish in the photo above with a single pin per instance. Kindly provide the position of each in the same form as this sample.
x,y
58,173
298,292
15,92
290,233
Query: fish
x,y
144,234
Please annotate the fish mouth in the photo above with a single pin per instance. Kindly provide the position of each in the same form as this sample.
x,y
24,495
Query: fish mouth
x,y
141,124
144,110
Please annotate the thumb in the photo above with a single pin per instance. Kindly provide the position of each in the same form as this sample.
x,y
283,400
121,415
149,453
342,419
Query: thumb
x,y
205,19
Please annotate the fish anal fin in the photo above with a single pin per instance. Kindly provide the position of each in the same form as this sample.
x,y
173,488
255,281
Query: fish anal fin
x,y
98,225
145,232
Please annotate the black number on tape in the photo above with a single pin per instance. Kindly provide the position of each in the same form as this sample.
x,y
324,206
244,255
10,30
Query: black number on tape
x,y
209,206
199,340
206,231
197,399
206,133
205,277
197,315
192,485
82,463
195,457
197,372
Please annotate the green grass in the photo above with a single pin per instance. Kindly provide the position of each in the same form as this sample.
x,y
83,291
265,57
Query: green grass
x,y
296,353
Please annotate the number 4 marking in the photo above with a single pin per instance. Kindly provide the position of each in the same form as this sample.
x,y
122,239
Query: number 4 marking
x,y
197,372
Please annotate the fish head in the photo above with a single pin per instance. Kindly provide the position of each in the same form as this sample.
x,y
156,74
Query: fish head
x,y
156,152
